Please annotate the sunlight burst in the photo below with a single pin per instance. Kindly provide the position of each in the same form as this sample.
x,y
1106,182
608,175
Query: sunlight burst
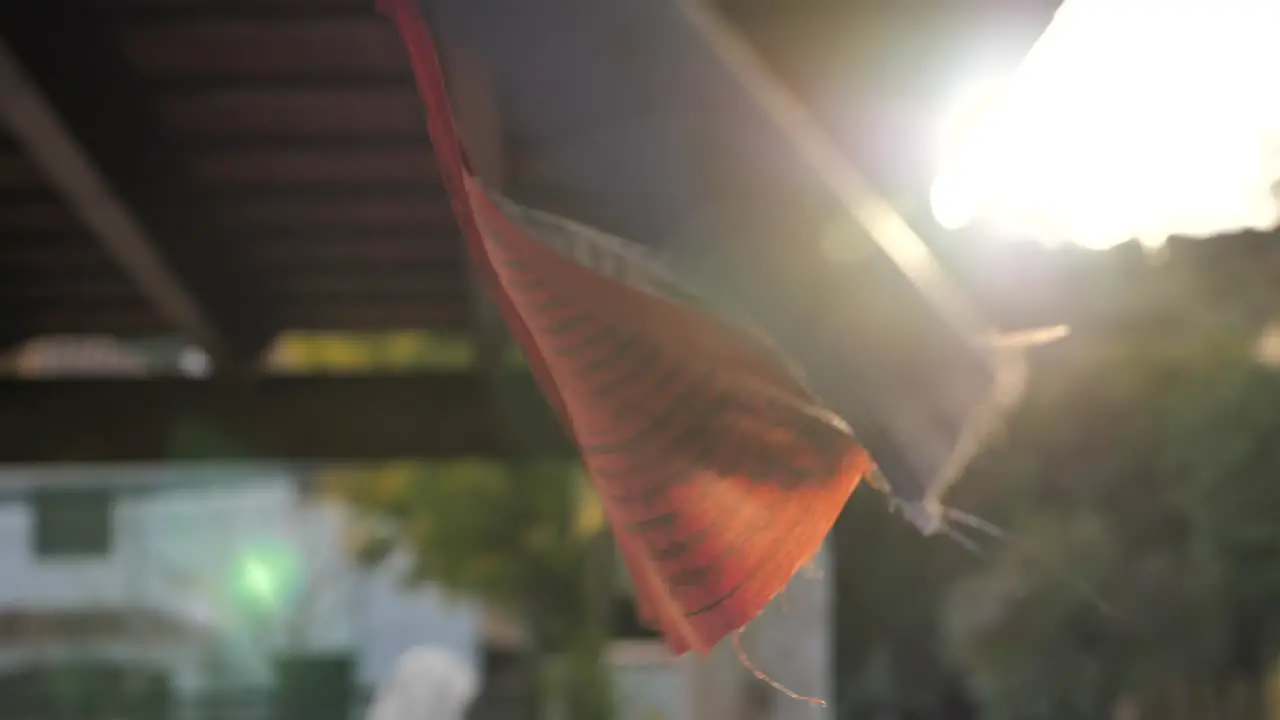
x,y
1129,119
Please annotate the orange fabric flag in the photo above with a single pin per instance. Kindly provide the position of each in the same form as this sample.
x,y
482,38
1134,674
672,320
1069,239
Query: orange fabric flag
x,y
719,472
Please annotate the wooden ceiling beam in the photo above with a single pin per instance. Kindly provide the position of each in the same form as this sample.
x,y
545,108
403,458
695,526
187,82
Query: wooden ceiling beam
x,y
139,11
421,416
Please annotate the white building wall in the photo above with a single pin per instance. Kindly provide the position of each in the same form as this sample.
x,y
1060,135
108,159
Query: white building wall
x,y
647,684
178,550
791,642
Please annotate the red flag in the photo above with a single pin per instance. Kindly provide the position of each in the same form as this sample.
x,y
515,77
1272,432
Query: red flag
x,y
718,471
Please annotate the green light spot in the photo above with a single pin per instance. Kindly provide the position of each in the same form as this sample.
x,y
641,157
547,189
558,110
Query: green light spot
x,y
258,580
266,579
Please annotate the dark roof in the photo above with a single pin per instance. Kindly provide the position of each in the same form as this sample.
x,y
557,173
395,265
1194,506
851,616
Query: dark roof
x,y
275,151
284,137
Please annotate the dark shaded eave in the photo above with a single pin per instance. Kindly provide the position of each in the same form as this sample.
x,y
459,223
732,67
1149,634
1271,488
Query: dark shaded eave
x,y
440,416
173,253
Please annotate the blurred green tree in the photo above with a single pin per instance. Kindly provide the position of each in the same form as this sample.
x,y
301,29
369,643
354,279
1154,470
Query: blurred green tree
x,y
524,538
1141,471
520,537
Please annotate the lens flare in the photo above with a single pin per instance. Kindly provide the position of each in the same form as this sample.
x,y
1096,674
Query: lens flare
x,y
1127,120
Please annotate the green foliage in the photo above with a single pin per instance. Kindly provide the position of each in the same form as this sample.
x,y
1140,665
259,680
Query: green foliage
x,y
512,535
517,536
1139,484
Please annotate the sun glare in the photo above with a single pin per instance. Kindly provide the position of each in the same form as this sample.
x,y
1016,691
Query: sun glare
x,y
1127,120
